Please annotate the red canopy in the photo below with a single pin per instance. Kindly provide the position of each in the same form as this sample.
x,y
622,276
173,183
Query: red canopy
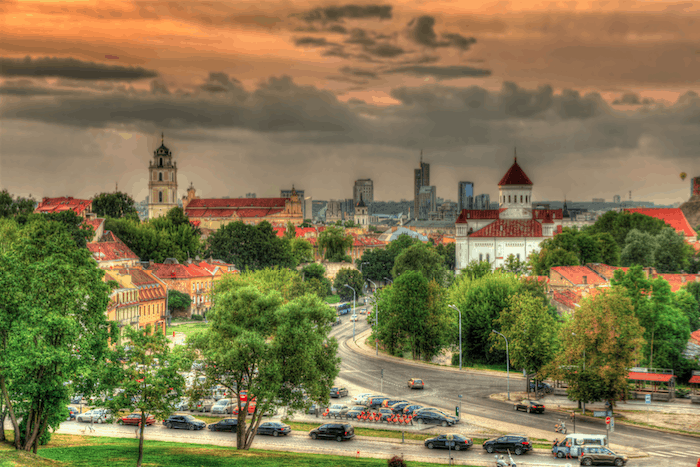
x,y
650,377
695,379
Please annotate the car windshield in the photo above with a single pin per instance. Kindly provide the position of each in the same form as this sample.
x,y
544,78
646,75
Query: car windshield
x,y
189,417
336,406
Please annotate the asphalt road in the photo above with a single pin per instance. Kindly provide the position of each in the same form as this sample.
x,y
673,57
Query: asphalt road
x,y
443,388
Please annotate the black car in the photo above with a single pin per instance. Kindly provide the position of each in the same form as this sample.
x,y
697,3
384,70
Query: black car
x,y
339,392
461,443
185,422
435,418
399,406
542,387
227,424
515,443
411,409
529,406
355,411
274,429
336,431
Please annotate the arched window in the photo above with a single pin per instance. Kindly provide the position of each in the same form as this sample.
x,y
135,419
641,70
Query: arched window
x,y
488,258
161,162
160,176
160,196
521,198
509,198
172,177
481,257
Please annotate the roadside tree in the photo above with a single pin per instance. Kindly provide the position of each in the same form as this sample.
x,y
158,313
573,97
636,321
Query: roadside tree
x,y
351,277
115,205
380,263
424,259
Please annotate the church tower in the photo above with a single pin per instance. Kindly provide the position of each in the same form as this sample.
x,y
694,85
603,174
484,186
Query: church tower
x,y
361,213
515,193
162,182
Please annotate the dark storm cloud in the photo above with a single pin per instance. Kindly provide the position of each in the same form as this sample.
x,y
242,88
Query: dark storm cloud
x,y
384,50
422,60
336,51
359,36
338,29
71,68
338,13
312,42
359,72
221,82
421,30
631,98
440,72
26,87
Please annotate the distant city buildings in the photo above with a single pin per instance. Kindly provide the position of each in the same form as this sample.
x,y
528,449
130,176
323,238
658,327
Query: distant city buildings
x,y
287,194
616,199
598,200
482,202
427,202
252,195
365,188
465,196
421,178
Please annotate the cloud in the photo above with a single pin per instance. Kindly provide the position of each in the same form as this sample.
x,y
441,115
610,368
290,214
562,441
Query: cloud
x,y
312,42
359,72
421,30
338,29
221,82
359,36
338,13
336,51
631,98
459,41
440,72
71,68
384,50
26,87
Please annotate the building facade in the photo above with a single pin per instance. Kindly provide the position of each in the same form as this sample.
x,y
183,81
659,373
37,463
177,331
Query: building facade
x,y
162,182
482,202
515,228
361,213
363,188
287,194
421,178
465,196
427,202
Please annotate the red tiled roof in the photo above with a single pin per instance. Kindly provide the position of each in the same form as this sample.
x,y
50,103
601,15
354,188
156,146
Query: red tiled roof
x,y
565,297
676,280
695,336
605,270
179,271
510,228
108,236
542,213
672,216
63,204
470,214
209,212
263,212
515,176
217,203
634,376
362,240
111,251
108,278
574,274
94,223
301,232
196,223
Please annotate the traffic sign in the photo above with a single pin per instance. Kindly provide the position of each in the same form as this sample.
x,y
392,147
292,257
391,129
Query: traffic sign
x,y
647,398
607,420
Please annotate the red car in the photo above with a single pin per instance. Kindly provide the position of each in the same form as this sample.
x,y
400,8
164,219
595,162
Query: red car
x,y
251,409
135,419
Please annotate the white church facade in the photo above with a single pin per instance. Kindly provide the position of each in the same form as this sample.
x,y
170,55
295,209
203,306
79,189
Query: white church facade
x,y
514,229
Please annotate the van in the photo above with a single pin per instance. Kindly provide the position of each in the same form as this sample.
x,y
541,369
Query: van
x,y
577,441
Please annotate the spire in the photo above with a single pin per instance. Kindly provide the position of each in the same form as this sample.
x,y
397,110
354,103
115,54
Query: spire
x,y
515,154
162,138
421,157
116,187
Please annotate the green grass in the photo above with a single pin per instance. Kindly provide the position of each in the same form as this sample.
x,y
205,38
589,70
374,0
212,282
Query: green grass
x,y
187,329
118,452
331,299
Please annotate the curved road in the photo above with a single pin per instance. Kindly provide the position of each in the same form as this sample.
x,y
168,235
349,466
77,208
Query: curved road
x,y
443,387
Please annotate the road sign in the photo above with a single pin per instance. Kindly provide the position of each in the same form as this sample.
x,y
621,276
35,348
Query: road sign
x,y
599,413
607,420
647,398
612,423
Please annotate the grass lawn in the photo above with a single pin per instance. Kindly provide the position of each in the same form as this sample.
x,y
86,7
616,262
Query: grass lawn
x,y
84,451
187,329
333,299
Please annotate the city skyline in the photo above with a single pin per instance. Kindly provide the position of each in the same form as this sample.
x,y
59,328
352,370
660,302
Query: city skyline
x,y
599,98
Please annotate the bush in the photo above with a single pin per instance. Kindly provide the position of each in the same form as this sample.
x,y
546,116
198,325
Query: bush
x,y
397,461
197,318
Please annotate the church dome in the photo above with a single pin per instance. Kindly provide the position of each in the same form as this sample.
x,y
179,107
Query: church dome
x,y
515,176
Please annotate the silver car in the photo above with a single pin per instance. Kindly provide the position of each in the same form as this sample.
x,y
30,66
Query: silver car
x,y
338,410
95,416
222,406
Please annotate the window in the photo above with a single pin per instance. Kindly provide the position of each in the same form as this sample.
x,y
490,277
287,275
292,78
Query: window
x,y
172,176
161,162
518,255
160,196
488,258
154,177
481,257
509,198
521,198
160,176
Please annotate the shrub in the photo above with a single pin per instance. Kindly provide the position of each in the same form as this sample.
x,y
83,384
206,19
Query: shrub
x,y
197,318
397,461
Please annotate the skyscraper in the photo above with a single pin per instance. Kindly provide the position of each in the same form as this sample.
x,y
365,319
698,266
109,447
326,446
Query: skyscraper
x,y
364,187
421,177
465,196
427,202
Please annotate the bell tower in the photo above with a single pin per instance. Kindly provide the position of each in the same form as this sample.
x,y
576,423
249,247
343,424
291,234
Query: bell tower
x,y
162,182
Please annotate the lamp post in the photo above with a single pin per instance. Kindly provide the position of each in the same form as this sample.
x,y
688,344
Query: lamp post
x,y
353,311
460,335
376,317
390,281
583,403
507,360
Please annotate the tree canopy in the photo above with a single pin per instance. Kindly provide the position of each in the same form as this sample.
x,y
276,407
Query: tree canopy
x,y
115,205
351,277
333,244
13,207
422,258
250,246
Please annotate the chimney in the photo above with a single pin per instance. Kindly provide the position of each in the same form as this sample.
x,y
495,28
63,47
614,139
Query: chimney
x,y
585,280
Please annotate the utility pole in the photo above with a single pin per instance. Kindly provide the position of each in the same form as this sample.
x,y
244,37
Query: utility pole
x,y
354,313
376,319
507,361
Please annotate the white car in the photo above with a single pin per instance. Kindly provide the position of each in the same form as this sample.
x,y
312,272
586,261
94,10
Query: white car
x,y
353,318
360,398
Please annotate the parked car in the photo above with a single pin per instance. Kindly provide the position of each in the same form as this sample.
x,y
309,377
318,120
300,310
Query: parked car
x,y
274,429
435,418
377,401
184,405
515,443
385,413
399,406
316,408
135,419
438,411
390,402
354,318
95,416
361,398
411,409
337,410
251,408
600,455
541,387
337,431
222,406
415,383
185,422
72,413
355,411
529,406
461,443
76,399
227,424
339,392
205,405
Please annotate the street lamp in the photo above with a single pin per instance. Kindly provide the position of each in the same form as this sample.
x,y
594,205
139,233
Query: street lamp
x,y
390,281
583,403
376,317
353,311
507,360
460,335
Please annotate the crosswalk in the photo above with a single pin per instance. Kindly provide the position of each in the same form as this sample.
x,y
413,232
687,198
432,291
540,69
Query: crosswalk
x,y
669,454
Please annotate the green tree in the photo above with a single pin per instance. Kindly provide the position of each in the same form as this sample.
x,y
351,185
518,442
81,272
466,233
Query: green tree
x,y
301,250
333,245
607,333
13,207
351,277
287,282
52,315
276,352
639,249
545,259
422,258
10,233
531,330
178,300
380,262
402,242
693,314
314,270
307,223
476,269
448,252
290,231
667,329
514,265
619,224
80,232
350,223
249,246
672,253
115,205
609,249
149,376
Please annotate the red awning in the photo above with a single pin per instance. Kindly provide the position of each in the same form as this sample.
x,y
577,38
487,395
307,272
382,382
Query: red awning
x,y
695,379
650,377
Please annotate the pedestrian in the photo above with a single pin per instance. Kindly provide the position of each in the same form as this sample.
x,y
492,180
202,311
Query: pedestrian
x,y
568,450
555,446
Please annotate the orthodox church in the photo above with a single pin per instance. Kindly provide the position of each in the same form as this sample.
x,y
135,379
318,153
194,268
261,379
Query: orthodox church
x,y
513,229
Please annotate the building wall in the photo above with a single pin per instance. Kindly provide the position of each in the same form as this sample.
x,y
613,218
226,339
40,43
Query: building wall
x,y
496,249
366,188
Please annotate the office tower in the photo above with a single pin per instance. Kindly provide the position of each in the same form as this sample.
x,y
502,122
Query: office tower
x,y
465,196
616,199
364,187
427,202
421,178
482,201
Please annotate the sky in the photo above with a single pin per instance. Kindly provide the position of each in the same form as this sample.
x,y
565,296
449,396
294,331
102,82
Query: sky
x,y
599,97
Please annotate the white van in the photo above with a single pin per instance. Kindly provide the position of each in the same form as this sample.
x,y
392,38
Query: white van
x,y
577,441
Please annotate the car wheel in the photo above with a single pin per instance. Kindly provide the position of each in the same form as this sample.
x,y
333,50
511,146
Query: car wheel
x,y
618,462
275,434
314,436
515,407
190,427
444,423
489,449
430,446
587,461
560,454
100,421
456,447
167,425
339,438
518,451
528,410
419,421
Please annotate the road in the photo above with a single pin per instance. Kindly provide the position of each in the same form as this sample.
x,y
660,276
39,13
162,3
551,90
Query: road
x,y
443,388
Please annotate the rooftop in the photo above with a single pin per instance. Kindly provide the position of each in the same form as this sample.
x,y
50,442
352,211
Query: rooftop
x,y
515,176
